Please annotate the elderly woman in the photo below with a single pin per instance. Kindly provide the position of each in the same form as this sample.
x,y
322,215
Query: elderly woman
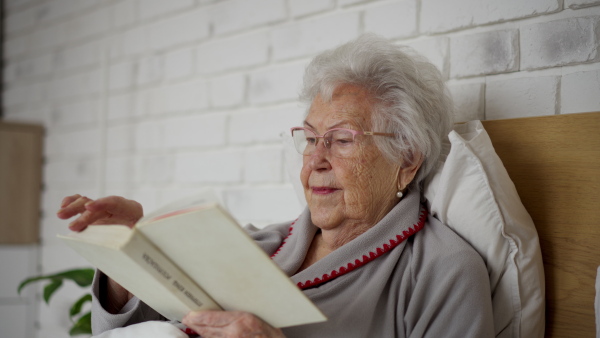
x,y
365,250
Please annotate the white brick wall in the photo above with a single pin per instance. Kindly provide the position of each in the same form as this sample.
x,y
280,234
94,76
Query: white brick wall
x,y
560,42
487,53
155,99
530,96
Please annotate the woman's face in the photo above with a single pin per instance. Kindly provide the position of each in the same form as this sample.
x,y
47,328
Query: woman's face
x,y
354,192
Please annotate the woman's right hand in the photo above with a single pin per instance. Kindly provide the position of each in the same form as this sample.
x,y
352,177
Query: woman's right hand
x,y
106,210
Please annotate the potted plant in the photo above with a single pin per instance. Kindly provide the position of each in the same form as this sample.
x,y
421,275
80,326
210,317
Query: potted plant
x,y
82,277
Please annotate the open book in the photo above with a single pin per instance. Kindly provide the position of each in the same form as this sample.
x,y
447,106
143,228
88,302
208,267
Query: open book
x,y
194,256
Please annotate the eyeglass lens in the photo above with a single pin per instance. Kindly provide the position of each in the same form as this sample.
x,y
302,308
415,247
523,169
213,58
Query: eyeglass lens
x,y
339,141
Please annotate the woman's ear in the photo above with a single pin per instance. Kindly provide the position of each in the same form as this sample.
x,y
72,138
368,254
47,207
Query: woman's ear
x,y
408,171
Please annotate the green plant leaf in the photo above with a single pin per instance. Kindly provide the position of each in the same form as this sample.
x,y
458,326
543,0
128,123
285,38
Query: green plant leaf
x,y
49,290
83,277
82,326
76,307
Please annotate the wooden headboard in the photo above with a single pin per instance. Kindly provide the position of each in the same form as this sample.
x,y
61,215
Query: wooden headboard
x,y
554,162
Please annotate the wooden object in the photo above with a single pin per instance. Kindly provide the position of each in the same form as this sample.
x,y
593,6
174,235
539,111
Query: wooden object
x,y
20,182
554,162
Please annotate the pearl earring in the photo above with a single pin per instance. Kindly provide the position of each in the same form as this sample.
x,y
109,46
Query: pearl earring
x,y
399,194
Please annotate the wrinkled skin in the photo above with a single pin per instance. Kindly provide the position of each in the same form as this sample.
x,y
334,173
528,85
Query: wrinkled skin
x,y
347,196
229,324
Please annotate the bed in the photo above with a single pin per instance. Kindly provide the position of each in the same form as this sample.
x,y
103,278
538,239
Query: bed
x,y
554,162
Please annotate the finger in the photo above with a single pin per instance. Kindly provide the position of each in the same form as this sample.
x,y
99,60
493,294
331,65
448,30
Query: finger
x,y
75,207
87,218
69,199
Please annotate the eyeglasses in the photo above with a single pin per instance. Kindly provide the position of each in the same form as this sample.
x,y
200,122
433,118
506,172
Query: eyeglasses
x,y
341,142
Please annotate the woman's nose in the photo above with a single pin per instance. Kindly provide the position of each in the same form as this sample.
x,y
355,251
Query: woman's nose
x,y
319,159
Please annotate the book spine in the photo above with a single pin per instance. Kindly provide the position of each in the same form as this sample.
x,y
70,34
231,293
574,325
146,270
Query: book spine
x,y
151,259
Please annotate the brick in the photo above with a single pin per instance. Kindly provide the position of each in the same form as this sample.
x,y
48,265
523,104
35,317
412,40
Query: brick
x,y
579,92
74,173
436,50
227,91
187,96
15,4
41,65
148,136
16,262
521,97
184,28
120,106
151,9
49,37
154,168
264,205
129,43
56,257
150,101
264,125
147,196
350,2
78,142
124,13
84,55
15,318
122,75
237,52
76,113
179,64
16,46
149,70
306,7
488,53
560,42
263,165
50,11
16,95
575,4
89,25
119,139
276,84
118,169
298,39
469,101
208,167
233,16
195,131
446,15
16,22
392,20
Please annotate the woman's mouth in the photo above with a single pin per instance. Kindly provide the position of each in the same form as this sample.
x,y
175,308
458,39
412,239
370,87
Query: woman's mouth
x,y
323,190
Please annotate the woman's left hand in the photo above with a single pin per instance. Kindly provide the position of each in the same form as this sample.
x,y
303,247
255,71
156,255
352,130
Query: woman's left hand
x,y
229,324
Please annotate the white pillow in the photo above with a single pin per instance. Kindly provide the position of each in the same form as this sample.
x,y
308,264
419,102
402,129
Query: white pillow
x,y
472,193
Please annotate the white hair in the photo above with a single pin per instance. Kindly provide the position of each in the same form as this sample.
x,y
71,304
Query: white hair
x,y
411,99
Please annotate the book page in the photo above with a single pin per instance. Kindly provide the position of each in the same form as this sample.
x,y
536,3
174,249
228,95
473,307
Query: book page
x,y
202,198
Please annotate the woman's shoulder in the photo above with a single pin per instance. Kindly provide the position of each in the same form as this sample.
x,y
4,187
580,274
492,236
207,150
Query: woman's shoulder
x,y
438,247
270,237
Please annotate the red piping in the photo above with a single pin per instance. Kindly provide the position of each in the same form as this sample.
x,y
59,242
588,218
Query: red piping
x,y
366,259
286,237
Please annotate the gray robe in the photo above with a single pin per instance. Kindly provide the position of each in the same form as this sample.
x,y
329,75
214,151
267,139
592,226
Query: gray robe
x,y
408,276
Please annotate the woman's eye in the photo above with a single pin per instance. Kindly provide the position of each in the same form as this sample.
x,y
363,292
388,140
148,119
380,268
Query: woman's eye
x,y
343,141
311,140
